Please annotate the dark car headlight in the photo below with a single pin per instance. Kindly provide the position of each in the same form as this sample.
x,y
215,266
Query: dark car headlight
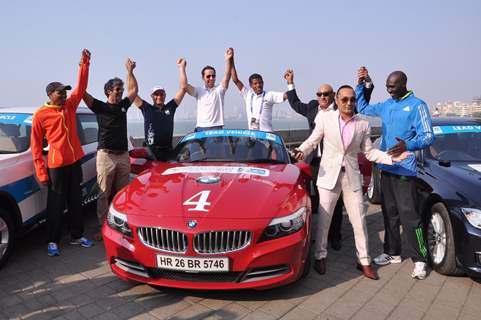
x,y
283,226
118,221
473,216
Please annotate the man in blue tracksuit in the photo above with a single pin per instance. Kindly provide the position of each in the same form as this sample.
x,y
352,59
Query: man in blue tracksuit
x,y
406,125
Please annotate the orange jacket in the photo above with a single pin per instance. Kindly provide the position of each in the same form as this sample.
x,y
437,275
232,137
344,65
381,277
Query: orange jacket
x,y
58,124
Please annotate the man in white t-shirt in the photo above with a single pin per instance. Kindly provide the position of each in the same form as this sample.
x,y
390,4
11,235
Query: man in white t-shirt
x,y
258,102
210,98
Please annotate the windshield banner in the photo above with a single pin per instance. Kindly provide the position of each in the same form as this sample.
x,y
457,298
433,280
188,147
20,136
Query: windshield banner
x,y
456,129
218,169
15,118
233,133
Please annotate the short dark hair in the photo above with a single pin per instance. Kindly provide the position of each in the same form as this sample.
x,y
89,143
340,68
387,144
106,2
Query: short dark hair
x,y
255,76
207,68
109,85
346,86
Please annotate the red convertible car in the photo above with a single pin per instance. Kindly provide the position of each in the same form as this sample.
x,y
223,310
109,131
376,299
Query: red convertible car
x,y
228,211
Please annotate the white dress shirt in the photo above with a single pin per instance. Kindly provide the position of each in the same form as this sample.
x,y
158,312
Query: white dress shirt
x,y
259,107
210,106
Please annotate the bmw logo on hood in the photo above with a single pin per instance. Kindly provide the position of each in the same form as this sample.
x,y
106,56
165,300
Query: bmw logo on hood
x,y
192,224
208,179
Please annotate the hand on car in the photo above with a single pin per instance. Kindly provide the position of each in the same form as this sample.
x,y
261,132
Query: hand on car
x,y
298,154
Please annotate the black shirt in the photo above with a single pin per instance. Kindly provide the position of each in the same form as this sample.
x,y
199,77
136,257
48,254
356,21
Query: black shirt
x,y
159,124
112,119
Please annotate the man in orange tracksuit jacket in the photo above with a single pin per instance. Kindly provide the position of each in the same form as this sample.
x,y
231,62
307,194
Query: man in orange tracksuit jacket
x,y
56,121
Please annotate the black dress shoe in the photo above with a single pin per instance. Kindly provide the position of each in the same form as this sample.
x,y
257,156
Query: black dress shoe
x,y
320,266
336,244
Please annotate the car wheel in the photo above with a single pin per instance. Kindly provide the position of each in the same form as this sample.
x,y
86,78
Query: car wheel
x,y
7,236
374,188
440,241
307,264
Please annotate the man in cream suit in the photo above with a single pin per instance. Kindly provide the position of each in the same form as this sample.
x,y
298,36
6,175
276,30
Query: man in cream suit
x,y
345,134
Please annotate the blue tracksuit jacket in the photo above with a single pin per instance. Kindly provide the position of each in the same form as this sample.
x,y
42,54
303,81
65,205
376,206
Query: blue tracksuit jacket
x,y
407,118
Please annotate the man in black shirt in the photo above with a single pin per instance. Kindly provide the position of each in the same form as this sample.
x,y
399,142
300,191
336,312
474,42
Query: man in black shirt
x,y
159,117
113,163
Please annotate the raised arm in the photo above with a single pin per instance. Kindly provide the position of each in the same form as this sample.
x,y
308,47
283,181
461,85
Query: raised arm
x,y
88,99
291,95
82,80
228,66
234,76
138,101
188,88
181,63
132,87
363,96
36,142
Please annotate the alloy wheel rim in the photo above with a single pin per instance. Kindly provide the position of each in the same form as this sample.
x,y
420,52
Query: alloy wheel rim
x,y
4,237
437,238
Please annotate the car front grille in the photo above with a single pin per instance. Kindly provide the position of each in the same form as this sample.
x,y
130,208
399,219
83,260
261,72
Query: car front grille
x,y
163,239
221,241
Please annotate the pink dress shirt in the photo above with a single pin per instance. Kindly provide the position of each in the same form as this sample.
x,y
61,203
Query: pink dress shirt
x,y
347,132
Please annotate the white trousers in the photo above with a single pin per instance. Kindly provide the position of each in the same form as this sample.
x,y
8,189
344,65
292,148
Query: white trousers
x,y
354,203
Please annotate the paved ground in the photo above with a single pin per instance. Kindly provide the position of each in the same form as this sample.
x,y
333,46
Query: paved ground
x,y
79,285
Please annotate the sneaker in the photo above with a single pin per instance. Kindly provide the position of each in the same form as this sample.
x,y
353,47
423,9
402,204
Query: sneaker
x,y
419,271
84,242
52,249
385,259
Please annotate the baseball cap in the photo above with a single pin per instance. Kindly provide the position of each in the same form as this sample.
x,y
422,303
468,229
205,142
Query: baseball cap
x,y
57,86
157,88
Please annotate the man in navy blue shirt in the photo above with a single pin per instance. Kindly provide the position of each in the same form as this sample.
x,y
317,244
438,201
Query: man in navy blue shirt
x,y
159,116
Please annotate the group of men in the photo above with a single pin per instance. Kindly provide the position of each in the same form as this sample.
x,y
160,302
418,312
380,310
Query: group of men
x,y
338,134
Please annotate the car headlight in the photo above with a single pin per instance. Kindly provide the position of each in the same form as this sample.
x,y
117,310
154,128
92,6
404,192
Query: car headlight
x,y
118,221
473,216
280,227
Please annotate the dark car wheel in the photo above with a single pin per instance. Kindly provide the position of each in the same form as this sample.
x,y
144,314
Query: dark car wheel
x,y
374,188
7,236
440,241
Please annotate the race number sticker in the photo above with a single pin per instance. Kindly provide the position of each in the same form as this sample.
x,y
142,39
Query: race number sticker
x,y
201,202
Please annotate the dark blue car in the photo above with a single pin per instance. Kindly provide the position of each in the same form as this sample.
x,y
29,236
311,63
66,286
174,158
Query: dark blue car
x,y
449,185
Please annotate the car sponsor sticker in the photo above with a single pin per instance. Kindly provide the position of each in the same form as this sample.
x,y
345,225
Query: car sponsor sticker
x,y
15,118
476,167
233,133
218,169
456,129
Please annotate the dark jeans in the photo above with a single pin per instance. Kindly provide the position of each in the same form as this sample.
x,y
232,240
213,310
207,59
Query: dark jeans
x,y
336,222
64,187
199,129
399,206
160,153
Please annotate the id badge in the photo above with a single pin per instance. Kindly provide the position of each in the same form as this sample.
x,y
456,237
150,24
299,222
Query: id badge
x,y
254,124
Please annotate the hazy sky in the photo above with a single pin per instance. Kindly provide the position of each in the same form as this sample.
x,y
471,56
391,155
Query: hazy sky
x,y
437,43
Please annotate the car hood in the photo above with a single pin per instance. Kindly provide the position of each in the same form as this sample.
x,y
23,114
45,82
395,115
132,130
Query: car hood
x,y
464,177
233,191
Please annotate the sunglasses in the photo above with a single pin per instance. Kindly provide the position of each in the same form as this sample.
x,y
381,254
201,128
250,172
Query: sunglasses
x,y
348,99
324,94
210,76
118,89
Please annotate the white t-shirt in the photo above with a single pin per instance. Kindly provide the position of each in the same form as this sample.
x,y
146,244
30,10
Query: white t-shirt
x,y
260,107
210,106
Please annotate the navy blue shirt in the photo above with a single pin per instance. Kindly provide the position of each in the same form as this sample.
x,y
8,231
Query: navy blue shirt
x,y
159,123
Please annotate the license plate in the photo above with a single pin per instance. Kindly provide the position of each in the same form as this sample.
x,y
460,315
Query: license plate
x,y
192,264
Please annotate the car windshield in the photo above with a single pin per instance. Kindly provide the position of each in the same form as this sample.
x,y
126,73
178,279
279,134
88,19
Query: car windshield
x,y
15,132
231,146
456,143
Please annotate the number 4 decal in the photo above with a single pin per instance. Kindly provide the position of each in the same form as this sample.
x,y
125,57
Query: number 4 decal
x,y
201,203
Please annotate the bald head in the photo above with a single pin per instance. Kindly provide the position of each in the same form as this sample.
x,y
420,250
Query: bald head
x,y
325,95
396,84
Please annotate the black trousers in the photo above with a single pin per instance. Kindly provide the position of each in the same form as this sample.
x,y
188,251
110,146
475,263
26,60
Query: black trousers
x,y
399,206
160,153
336,222
64,188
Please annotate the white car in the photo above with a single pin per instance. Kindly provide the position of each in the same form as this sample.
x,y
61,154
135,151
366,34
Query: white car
x,y
23,200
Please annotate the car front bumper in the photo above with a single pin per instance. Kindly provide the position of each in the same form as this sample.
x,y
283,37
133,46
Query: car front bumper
x,y
468,244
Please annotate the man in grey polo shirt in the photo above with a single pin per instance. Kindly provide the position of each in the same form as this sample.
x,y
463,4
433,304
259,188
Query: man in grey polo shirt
x,y
210,98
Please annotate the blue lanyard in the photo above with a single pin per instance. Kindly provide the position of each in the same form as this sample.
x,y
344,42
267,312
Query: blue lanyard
x,y
262,102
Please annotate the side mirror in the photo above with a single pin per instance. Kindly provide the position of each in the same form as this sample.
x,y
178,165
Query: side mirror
x,y
139,153
305,168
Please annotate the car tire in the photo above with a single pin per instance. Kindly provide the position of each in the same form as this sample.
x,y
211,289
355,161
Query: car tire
x,y
7,236
307,264
440,241
374,190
